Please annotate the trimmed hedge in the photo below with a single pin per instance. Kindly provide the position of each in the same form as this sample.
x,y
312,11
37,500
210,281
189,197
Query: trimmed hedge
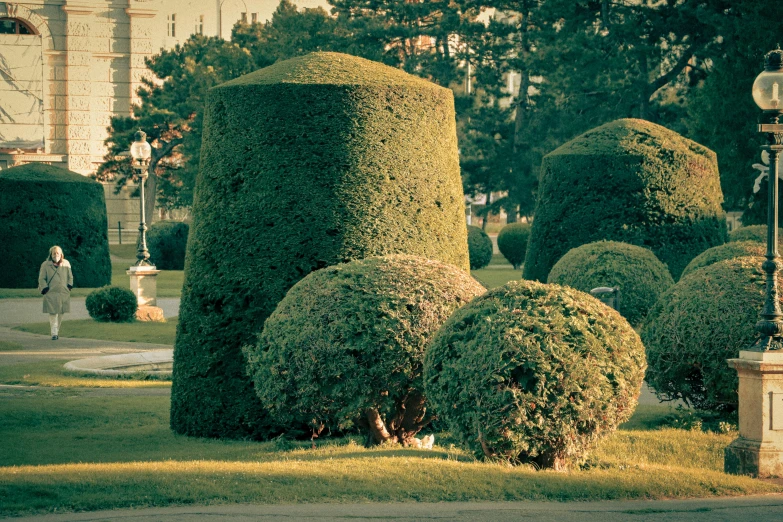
x,y
639,275
631,181
706,318
512,243
534,373
752,233
166,242
346,345
112,304
310,162
730,250
479,248
42,206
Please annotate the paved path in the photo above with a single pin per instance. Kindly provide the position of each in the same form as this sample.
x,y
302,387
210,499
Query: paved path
x,y
753,508
20,311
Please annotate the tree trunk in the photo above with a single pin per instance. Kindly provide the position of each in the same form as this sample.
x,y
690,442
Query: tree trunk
x,y
150,197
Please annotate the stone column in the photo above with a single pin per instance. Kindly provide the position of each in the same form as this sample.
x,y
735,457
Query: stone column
x,y
759,449
77,118
143,283
140,15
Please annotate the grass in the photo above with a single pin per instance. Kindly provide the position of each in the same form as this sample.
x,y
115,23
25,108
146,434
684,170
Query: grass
x,y
115,452
493,277
7,346
135,332
51,373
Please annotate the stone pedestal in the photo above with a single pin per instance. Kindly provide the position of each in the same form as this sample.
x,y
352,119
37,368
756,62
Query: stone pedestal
x,y
143,284
759,449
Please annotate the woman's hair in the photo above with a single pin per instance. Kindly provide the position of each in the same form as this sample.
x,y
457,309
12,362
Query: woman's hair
x,y
54,249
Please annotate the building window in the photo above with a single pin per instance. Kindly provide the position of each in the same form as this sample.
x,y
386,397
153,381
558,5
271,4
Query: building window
x,y
254,17
12,26
243,18
171,24
200,24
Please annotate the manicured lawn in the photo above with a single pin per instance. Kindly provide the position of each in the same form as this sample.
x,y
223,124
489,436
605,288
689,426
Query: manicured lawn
x,y
493,277
7,346
51,373
136,332
113,452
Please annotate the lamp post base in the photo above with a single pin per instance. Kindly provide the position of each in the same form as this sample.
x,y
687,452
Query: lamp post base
x,y
150,314
759,449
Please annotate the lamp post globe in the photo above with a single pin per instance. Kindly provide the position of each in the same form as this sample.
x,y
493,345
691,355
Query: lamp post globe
x,y
141,151
767,92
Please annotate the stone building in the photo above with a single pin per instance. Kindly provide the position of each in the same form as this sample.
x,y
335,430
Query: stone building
x,y
68,66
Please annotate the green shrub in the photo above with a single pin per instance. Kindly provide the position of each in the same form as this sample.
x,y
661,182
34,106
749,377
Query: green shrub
x,y
730,250
42,206
479,247
512,242
112,304
752,233
346,345
631,181
344,159
706,318
639,275
166,242
534,373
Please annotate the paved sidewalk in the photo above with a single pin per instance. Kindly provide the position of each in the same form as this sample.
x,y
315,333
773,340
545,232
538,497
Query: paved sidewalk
x,y
21,311
701,510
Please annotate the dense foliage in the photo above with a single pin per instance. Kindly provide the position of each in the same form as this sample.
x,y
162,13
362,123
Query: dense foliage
x,y
479,248
112,304
752,233
166,242
730,250
534,373
639,275
344,159
630,181
345,347
512,242
706,318
42,206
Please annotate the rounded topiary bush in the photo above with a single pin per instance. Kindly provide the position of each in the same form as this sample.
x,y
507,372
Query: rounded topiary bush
x,y
346,345
752,233
42,206
535,373
730,250
479,247
631,181
112,304
512,242
639,275
344,159
706,318
166,242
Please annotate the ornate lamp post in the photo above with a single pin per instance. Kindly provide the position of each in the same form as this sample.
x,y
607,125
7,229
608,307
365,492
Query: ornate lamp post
x,y
767,90
759,449
143,273
140,152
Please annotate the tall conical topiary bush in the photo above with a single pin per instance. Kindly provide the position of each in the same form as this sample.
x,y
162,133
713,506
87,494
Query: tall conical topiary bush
x,y
310,162
630,181
42,206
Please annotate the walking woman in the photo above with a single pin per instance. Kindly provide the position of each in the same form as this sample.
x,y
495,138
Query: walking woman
x,y
55,281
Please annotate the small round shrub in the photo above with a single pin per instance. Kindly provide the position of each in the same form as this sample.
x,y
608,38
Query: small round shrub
x,y
166,242
479,248
752,233
112,304
512,243
534,373
345,347
726,251
706,318
639,275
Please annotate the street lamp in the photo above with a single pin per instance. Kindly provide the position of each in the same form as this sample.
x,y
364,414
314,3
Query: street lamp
x,y
767,90
141,151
